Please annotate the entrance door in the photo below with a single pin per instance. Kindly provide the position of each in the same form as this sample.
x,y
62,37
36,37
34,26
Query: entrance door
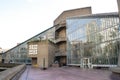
x,y
34,62
86,63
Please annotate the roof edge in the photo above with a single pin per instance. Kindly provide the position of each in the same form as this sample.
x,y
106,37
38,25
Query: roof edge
x,y
94,15
72,10
29,39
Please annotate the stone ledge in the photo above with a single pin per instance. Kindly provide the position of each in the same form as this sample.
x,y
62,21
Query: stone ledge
x,y
115,70
9,74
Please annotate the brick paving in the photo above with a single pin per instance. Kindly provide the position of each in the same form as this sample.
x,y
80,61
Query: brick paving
x,y
68,73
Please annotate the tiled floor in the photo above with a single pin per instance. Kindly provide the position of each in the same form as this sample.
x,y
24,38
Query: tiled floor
x,y
67,73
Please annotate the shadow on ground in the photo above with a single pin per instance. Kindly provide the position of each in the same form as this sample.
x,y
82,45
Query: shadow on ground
x,y
115,76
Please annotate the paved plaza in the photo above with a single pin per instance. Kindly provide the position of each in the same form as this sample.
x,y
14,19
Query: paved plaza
x,y
67,73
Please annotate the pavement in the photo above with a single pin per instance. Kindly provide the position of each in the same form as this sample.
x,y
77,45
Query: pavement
x,y
68,73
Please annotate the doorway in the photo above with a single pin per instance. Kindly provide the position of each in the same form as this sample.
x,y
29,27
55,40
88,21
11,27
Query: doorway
x,y
86,62
34,62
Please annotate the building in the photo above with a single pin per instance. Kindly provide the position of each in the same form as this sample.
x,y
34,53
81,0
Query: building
x,y
77,38
60,32
93,40
42,53
55,34
2,54
19,53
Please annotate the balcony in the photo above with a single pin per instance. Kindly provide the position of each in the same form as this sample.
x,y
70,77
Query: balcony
x,y
60,53
60,39
59,26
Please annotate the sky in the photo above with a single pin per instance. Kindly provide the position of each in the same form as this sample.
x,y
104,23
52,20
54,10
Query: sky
x,y
22,19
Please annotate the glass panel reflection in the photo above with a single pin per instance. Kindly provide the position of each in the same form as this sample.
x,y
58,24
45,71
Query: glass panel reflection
x,y
95,39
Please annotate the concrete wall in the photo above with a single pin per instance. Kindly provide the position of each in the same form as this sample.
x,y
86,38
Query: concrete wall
x,y
42,59
62,33
51,53
11,73
62,46
69,13
45,53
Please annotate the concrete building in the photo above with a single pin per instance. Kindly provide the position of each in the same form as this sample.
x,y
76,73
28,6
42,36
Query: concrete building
x,y
76,38
60,32
42,53
56,34
59,53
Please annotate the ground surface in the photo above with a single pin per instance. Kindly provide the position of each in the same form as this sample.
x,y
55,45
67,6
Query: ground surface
x,y
67,73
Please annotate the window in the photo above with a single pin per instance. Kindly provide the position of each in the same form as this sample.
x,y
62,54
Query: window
x,y
33,49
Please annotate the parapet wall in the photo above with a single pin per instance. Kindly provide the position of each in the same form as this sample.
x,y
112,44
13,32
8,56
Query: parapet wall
x,y
11,73
70,13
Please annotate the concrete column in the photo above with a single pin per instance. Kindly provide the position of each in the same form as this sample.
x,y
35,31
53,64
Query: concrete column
x,y
119,60
118,2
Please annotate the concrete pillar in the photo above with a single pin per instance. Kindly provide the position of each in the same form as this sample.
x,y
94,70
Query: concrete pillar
x,y
119,60
118,2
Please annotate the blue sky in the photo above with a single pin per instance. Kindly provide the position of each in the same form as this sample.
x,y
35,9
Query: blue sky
x,y
22,19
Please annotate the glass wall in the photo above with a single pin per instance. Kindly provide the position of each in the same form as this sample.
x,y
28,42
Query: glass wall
x,y
19,54
95,39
